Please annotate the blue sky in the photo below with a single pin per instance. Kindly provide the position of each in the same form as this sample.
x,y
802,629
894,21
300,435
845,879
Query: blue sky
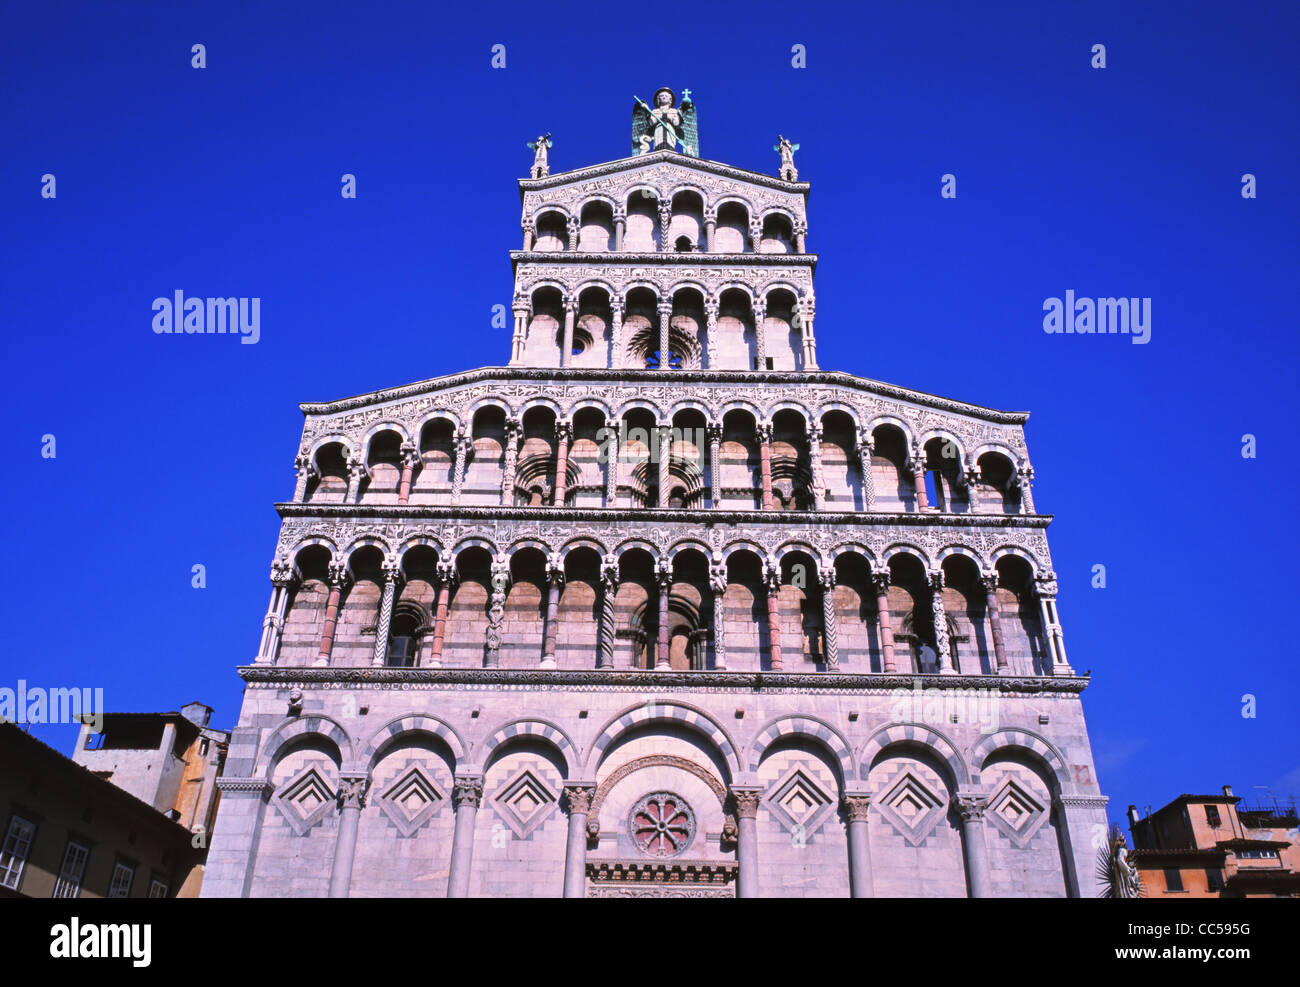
x,y
225,181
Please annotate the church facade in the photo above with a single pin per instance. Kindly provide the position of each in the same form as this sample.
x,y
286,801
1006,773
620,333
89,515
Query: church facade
x,y
660,607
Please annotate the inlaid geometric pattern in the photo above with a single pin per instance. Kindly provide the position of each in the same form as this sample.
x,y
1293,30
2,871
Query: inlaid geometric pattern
x,y
411,801
1016,813
305,800
661,825
525,802
912,804
799,802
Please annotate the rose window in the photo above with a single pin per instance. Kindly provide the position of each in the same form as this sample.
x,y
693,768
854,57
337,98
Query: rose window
x,y
662,825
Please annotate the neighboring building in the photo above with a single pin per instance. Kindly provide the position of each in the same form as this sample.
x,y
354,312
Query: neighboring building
x,y
121,818
1209,846
513,649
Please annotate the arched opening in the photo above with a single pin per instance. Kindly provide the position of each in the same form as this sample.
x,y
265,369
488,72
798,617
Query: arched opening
x,y
731,235
330,484
642,234
791,462
840,464
596,230
552,232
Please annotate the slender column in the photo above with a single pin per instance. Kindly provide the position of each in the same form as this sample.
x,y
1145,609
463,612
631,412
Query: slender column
x,y
351,797
773,582
575,855
338,578
392,573
971,805
570,316
611,464
520,310
807,306
1045,589
800,237
747,841
282,576
972,489
620,228
409,457
718,584
664,575
512,458
463,445
760,332
277,625
830,623
918,479
990,581
306,471
885,630
765,464
608,593
710,229
864,450
665,220
711,309
618,358
665,310
1025,481
497,609
861,884
815,459
665,462
941,643
563,433
530,233
466,795
554,577
571,227
446,571
714,430
357,471
755,235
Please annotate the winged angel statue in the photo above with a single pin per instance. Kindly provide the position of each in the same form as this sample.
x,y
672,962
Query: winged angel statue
x,y
665,125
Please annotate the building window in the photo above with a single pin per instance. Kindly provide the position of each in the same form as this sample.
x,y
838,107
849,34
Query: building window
x,y
1173,879
157,889
18,842
120,887
1214,879
1212,816
73,869
1257,855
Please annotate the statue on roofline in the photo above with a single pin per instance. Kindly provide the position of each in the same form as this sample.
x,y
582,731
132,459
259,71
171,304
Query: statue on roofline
x,y
541,168
788,172
665,125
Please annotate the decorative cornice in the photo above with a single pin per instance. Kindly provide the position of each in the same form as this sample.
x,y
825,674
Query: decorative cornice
x,y
553,376
307,676
643,258
226,784
559,179
642,515
650,872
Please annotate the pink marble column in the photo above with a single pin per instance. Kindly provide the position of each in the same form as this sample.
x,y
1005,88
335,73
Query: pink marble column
x,y
563,432
765,464
446,573
554,576
990,580
338,577
773,582
665,579
409,456
880,579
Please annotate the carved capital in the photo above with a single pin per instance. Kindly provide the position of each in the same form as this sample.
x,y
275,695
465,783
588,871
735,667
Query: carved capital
x,y
579,798
409,453
446,567
555,568
304,466
339,574
664,573
746,800
764,431
718,578
352,791
880,579
826,576
971,805
714,431
609,572
935,578
856,806
563,430
1045,584
283,572
467,790
989,581
392,571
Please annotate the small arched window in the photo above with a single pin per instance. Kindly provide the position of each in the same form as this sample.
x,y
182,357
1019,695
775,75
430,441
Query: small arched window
x,y
402,641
